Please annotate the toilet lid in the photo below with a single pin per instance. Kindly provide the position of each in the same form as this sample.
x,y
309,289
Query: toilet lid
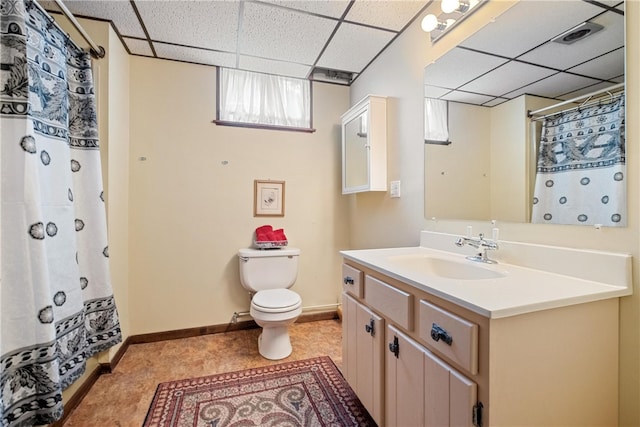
x,y
276,300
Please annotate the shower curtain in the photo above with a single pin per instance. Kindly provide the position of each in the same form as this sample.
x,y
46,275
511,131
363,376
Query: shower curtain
x,y
56,302
581,171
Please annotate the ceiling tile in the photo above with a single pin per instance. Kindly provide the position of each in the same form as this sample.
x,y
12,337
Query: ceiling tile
x,y
210,24
613,3
277,33
434,91
507,78
511,38
353,47
586,90
119,11
439,73
261,65
604,67
495,101
332,8
469,98
393,15
563,56
553,86
198,56
138,46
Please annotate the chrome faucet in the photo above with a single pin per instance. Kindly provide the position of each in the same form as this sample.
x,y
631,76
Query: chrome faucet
x,y
483,245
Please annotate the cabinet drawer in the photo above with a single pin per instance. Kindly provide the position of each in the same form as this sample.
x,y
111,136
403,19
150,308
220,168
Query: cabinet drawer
x,y
352,280
391,302
450,335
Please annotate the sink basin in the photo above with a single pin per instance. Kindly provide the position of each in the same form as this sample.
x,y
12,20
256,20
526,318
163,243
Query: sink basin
x,y
449,269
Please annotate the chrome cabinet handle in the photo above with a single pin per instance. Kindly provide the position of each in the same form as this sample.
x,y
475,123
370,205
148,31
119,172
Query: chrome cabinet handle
x,y
348,280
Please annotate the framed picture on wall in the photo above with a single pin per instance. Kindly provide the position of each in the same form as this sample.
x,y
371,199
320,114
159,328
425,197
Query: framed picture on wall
x,y
268,198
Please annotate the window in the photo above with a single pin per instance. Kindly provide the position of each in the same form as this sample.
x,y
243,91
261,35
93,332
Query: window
x,y
263,100
436,121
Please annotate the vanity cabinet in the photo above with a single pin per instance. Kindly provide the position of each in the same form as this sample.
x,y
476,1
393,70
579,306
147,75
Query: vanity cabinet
x,y
362,355
443,364
422,389
364,146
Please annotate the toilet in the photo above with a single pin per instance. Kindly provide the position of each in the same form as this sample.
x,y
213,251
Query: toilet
x,y
268,275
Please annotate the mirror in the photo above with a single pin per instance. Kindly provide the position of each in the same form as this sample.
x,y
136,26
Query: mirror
x,y
364,146
492,80
356,172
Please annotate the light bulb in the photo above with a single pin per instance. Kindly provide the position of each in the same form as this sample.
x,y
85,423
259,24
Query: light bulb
x,y
429,23
449,6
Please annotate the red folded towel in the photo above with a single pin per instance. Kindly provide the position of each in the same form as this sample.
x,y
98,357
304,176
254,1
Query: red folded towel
x,y
264,229
264,234
278,235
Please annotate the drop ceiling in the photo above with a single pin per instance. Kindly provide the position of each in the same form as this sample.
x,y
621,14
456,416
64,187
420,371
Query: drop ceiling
x,y
515,55
508,57
271,36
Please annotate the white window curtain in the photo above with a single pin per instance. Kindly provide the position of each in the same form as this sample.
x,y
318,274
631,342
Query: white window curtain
x,y
264,99
436,120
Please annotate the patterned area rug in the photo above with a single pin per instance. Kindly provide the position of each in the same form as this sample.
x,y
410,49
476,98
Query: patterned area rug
x,y
307,393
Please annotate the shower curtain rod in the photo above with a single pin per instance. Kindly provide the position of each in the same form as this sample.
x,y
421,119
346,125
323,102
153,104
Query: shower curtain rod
x,y
96,50
573,100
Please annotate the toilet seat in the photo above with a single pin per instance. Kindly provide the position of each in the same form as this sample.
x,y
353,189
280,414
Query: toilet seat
x,y
276,301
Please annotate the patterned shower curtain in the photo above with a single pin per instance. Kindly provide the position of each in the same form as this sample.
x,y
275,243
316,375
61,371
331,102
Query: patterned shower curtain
x,y
56,301
581,171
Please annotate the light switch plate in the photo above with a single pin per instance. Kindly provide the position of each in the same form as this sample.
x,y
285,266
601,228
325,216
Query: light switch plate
x,y
394,189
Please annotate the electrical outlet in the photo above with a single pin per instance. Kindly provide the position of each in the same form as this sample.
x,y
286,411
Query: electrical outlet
x,y
394,189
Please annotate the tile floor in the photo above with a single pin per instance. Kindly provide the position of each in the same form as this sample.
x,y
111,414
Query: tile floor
x,y
122,397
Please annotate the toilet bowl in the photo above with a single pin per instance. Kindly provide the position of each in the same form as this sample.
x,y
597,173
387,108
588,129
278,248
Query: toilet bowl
x,y
268,275
274,310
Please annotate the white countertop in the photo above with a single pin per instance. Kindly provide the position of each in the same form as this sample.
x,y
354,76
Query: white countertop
x,y
521,290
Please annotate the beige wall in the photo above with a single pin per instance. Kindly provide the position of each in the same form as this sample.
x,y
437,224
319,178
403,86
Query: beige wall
x,y
117,183
191,205
111,78
398,73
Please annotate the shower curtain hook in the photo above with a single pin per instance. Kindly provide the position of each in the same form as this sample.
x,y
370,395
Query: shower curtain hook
x,y
587,100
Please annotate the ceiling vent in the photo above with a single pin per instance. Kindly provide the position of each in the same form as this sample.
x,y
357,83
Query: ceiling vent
x,y
578,33
332,76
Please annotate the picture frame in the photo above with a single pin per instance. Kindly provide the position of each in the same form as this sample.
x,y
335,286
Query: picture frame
x,y
268,198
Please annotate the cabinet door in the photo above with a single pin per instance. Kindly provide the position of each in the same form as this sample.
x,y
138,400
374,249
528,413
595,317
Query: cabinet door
x,y
364,146
349,350
356,152
404,380
449,397
363,346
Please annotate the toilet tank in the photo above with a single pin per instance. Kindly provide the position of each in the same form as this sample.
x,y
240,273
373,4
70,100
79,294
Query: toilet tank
x,y
268,269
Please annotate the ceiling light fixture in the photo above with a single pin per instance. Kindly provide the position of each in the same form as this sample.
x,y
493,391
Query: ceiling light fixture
x,y
453,12
430,23
449,6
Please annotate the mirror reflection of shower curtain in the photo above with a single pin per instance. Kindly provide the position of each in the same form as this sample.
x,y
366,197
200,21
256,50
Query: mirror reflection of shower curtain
x,y
57,307
581,169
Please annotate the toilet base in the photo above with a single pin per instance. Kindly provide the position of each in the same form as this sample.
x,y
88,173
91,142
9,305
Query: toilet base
x,y
274,343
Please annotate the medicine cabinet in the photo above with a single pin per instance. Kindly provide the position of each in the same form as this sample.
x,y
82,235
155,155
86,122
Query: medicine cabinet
x,y
364,146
